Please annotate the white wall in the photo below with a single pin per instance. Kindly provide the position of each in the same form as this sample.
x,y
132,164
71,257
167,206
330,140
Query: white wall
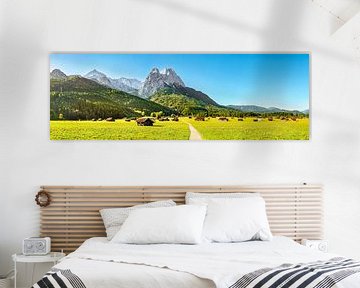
x,y
29,30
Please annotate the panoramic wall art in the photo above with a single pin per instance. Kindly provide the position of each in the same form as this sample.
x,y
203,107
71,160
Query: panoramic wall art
x,y
179,96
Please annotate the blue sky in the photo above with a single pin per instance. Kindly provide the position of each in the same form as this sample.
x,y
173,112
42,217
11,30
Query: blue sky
x,y
269,80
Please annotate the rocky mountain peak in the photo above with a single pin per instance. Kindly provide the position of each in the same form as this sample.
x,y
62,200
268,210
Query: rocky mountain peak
x,y
94,74
159,79
154,71
57,74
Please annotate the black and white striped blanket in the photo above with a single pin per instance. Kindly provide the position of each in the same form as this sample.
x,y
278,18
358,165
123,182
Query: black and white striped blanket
x,y
57,278
320,274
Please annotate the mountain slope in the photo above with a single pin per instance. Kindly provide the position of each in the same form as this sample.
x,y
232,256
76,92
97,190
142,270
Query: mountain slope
x,y
189,92
187,105
79,98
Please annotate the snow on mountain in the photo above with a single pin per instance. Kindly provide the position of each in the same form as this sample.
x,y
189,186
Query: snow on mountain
x,y
159,79
123,84
99,77
133,83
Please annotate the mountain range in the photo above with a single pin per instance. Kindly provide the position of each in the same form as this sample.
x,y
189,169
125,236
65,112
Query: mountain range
x,y
95,95
260,109
131,86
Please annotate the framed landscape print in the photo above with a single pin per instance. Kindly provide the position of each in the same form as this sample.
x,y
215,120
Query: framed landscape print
x,y
223,96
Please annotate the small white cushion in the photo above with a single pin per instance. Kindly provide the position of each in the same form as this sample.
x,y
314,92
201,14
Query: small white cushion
x,y
236,220
173,225
113,218
204,198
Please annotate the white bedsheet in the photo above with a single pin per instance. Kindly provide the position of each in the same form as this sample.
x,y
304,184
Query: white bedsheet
x,y
102,264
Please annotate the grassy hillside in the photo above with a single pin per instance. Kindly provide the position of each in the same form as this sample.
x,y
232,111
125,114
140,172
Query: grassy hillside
x,y
78,98
189,92
187,105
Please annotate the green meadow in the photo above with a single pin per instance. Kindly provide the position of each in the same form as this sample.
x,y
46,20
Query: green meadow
x,y
210,129
118,130
213,129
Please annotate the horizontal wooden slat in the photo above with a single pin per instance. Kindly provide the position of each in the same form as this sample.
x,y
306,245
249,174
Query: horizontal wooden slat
x,y
73,216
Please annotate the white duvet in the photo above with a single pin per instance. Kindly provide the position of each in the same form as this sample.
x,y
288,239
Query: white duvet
x,y
100,263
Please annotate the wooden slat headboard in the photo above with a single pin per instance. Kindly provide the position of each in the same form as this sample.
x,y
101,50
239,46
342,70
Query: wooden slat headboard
x,y
73,215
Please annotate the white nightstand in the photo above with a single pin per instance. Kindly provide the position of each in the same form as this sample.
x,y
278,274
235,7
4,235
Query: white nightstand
x,y
53,257
320,245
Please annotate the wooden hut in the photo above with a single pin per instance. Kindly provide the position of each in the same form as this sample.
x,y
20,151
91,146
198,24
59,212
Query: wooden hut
x,y
145,121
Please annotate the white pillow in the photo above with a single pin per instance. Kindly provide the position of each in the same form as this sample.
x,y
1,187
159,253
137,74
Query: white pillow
x,y
204,198
236,220
173,225
113,218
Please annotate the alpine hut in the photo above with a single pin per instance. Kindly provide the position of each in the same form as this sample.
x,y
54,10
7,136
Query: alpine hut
x,y
144,121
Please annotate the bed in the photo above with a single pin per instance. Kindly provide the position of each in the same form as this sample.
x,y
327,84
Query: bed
x,y
294,212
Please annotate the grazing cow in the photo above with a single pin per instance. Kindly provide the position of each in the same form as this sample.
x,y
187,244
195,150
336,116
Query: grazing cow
x,y
270,118
223,119
240,119
200,118
110,119
100,119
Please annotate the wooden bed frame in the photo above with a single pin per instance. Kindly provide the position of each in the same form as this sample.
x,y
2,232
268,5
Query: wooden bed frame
x,y
73,215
